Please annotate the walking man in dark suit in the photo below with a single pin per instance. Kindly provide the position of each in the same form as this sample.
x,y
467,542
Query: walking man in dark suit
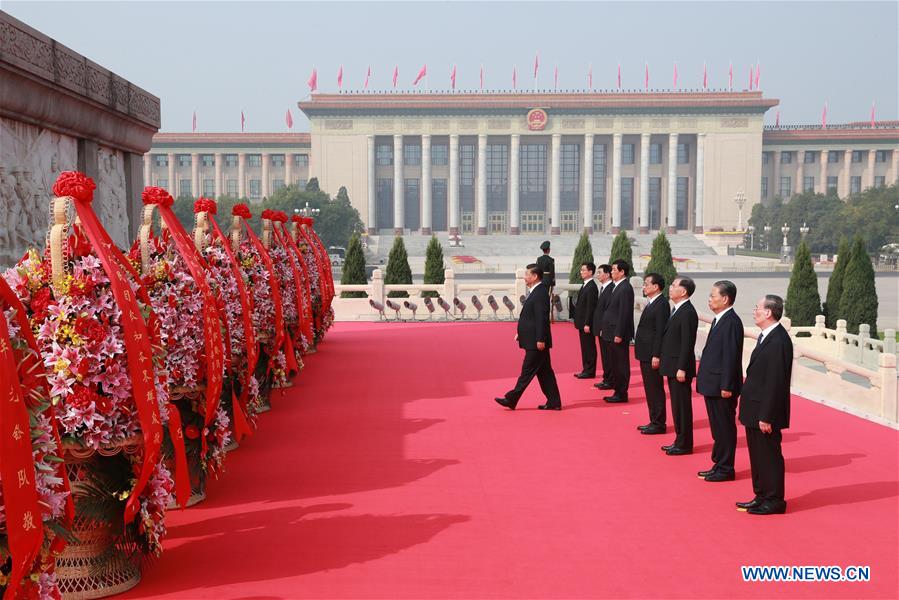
x,y
583,318
648,350
678,363
535,338
604,273
720,379
618,330
765,408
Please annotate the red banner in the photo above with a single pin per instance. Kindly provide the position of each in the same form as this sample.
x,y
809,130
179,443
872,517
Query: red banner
x,y
304,289
273,281
182,476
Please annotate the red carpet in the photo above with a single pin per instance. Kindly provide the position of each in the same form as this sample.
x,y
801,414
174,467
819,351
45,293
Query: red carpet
x,y
389,472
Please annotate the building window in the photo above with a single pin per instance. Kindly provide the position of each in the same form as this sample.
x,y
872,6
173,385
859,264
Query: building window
x,y
467,222
438,205
599,181
627,154
411,155
683,155
207,160
255,188
184,160
786,187
832,182
496,222
254,160
655,203
497,176
231,187
533,221
466,177
569,221
856,156
833,156
163,183
655,154
570,177
383,154
230,160
764,188
161,160
412,201
881,156
786,157
810,157
808,184
532,177
627,202
439,154
277,160
301,184
855,184
385,202
277,184
879,181
184,189
683,190
766,157
209,188
301,160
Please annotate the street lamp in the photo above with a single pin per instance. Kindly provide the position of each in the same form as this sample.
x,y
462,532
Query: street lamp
x,y
307,212
785,246
767,238
740,199
803,231
751,237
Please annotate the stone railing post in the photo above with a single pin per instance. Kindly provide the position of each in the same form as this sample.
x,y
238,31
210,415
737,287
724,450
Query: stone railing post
x,y
864,334
886,366
377,286
889,341
842,346
449,285
819,325
520,286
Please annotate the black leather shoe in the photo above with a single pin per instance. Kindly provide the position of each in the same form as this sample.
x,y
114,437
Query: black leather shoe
x,y
643,427
615,399
768,508
667,448
603,385
679,451
745,506
654,430
704,474
505,402
720,476
550,407
584,375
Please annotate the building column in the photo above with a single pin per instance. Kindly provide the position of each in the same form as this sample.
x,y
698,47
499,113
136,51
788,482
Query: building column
x,y
672,183
372,188
481,195
824,156
894,170
872,160
399,215
514,201
242,175
775,188
148,162
616,183
799,184
587,204
644,182
195,175
454,184
288,168
426,207
554,191
844,186
173,186
699,221
266,161
219,187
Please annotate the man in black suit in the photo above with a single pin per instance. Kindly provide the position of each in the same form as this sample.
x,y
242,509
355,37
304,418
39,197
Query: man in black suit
x,y
720,379
583,318
604,273
765,409
618,330
535,338
678,363
648,350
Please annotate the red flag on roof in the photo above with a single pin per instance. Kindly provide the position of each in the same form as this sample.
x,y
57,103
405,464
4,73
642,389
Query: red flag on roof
x,y
367,77
242,121
313,80
619,76
646,78
824,117
396,73
758,75
482,77
536,64
873,106
730,77
675,75
453,77
340,78
556,77
750,78
590,77
421,74
195,122
705,76
289,119
514,78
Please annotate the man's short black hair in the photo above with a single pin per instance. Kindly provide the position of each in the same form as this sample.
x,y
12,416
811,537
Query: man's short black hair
x,y
536,270
686,283
727,288
622,266
607,269
590,267
656,279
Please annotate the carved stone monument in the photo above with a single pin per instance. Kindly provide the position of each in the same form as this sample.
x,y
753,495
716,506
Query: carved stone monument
x,y
60,111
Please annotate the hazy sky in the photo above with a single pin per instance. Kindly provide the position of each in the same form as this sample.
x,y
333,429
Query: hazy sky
x,y
218,58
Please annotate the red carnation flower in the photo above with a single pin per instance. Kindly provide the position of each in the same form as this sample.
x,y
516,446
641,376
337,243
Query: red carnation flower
x,y
41,302
90,329
297,219
75,184
205,205
241,210
267,214
82,396
157,195
279,216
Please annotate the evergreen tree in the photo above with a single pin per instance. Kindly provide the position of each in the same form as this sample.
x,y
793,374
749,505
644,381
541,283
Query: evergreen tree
x,y
582,253
803,302
835,285
661,261
621,248
858,303
312,185
354,268
398,270
434,268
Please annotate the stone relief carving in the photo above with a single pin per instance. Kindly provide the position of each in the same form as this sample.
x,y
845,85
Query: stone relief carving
x,y
110,200
30,160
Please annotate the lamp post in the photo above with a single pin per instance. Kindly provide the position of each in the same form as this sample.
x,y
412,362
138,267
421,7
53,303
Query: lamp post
x,y
785,245
740,200
803,231
751,229
307,212
767,238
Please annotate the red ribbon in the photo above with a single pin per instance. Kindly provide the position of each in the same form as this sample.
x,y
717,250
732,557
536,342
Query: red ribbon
x,y
323,274
182,476
325,264
298,236
273,281
298,265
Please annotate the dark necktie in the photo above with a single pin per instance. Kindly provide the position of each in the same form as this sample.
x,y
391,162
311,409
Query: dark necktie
x,y
715,320
759,341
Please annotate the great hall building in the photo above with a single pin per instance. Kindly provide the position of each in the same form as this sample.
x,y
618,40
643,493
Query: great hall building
x,y
509,163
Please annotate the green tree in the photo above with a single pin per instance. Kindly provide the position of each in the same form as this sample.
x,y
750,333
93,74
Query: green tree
x,y
398,270
434,268
312,185
338,220
621,248
835,285
661,261
803,303
583,252
858,302
354,268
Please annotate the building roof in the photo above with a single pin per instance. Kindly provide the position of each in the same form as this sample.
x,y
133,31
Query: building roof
x,y
507,102
255,139
883,131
